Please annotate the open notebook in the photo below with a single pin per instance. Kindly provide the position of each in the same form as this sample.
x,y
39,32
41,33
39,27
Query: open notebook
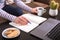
x,y
34,22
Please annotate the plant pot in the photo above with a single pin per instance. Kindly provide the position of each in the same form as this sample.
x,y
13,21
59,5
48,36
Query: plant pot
x,y
53,12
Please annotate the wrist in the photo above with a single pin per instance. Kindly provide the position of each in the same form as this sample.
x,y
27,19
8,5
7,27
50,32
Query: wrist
x,y
14,18
32,10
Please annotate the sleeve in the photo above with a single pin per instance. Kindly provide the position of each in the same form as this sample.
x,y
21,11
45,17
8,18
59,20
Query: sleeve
x,y
22,5
6,15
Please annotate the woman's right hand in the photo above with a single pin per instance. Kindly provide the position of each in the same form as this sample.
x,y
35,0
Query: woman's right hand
x,y
21,20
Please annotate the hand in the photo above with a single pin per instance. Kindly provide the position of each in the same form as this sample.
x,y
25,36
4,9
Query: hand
x,y
9,1
21,20
34,10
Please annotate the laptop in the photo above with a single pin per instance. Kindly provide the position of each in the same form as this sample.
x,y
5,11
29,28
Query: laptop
x,y
49,30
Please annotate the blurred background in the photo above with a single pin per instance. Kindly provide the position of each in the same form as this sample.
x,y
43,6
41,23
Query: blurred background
x,y
32,3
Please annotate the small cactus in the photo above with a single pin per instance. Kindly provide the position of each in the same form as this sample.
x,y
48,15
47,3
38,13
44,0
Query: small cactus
x,y
54,5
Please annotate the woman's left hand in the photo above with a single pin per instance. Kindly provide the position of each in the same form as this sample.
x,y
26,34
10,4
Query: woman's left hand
x,y
34,10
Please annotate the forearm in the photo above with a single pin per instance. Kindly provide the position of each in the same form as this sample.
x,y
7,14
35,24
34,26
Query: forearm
x,y
7,15
1,5
22,5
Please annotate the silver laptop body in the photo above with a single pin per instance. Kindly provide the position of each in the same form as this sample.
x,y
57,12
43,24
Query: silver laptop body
x,y
42,30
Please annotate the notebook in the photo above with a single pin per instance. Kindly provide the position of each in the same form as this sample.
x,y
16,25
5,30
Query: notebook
x,y
34,22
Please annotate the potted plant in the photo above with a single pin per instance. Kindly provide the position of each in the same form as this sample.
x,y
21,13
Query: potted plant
x,y
53,8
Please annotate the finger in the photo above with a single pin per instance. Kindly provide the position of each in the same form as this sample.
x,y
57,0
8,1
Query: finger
x,y
18,21
35,10
22,22
23,19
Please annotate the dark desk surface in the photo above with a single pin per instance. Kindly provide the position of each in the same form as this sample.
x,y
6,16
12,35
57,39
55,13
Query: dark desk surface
x,y
46,15
24,36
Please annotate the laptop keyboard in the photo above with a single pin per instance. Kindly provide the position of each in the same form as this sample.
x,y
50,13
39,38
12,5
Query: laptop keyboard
x,y
54,34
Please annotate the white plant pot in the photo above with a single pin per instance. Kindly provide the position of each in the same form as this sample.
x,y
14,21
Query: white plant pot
x,y
53,12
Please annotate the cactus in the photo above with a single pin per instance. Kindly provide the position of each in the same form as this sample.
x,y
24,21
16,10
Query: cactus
x,y
54,5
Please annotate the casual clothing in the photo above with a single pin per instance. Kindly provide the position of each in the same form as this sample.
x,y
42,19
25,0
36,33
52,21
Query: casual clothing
x,y
9,16
16,11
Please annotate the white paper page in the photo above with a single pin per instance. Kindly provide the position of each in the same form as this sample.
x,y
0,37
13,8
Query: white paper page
x,y
33,19
26,28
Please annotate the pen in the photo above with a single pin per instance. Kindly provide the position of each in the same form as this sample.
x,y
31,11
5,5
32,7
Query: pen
x,y
29,22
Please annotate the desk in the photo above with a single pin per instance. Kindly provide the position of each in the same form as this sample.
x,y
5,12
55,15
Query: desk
x,y
46,15
24,36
